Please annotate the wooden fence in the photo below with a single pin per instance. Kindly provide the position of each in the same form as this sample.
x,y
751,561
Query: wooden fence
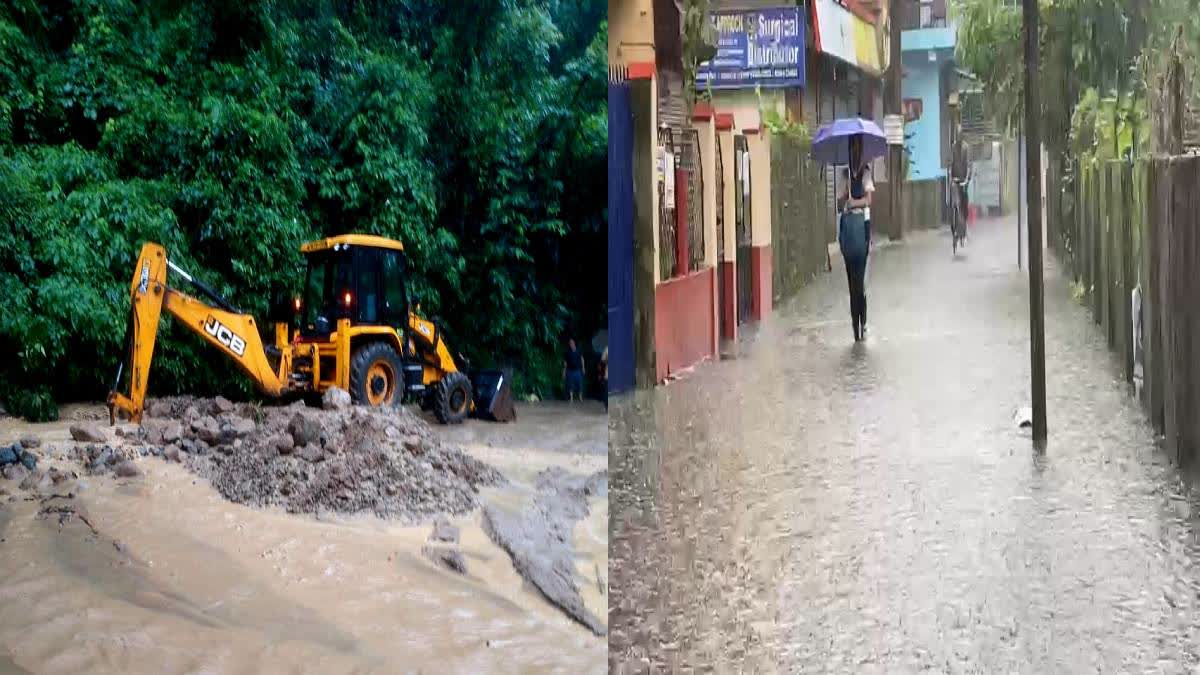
x,y
1119,226
802,221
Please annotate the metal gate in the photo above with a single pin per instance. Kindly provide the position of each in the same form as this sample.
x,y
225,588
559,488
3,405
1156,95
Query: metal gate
x,y
666,208
620,238
722,327
691,162
742,212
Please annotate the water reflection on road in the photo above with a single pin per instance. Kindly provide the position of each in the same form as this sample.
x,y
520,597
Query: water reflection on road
x,y
819,506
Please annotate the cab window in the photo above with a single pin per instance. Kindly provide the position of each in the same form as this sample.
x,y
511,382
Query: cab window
x,y
395,301
368,286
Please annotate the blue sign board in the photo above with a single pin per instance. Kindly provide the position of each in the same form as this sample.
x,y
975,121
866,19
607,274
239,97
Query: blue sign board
x,y
756,48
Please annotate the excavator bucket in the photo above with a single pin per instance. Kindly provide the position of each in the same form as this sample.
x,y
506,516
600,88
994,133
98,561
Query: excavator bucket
x,y
493,395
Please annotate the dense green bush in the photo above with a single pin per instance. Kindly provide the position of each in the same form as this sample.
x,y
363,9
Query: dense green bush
x,y
231,131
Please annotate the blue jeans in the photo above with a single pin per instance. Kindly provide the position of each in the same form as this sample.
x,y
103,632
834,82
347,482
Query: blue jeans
x,y
575,382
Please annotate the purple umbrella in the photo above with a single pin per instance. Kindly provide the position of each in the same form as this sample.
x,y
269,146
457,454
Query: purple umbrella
x,y
831,145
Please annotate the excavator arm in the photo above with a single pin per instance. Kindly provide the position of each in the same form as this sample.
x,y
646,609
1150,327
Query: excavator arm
x,y
230,331
438,359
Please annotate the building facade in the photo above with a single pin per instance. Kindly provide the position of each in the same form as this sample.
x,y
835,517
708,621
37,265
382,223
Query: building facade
x,y
663,246
691,211
927,45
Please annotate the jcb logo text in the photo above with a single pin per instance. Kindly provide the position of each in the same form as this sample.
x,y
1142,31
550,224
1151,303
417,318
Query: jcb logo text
x,y
225,336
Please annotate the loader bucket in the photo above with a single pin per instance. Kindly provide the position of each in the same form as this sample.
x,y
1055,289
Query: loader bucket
x,y
493,396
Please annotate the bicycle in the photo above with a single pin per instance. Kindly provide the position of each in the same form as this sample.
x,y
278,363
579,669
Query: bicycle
x,y
958,219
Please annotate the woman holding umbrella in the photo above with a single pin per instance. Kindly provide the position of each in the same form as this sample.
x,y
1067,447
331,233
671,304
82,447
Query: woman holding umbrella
x,y
856,202
853,142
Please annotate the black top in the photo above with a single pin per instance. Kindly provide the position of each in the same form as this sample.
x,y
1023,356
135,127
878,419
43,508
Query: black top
x,y
960,164
858,187
574,359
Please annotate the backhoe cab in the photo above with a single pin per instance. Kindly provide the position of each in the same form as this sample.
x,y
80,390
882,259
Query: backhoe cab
x,y
354,329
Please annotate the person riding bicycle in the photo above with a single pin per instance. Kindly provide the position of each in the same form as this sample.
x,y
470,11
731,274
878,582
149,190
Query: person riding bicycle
x,y
960,174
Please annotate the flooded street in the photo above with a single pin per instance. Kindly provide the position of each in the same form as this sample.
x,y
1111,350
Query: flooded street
x,y
814,505
166,576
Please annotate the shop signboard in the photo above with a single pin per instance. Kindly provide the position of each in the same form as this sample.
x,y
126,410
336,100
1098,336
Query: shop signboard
x,y
756,48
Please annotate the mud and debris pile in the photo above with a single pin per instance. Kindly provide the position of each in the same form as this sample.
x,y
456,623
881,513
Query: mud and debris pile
x,y
345,459
539,538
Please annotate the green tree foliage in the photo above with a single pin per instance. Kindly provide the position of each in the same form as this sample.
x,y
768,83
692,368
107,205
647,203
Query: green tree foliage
x,y
231,131
1111,48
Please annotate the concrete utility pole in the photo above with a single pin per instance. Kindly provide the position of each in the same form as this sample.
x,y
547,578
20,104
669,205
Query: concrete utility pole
x,y
1033,201
893,106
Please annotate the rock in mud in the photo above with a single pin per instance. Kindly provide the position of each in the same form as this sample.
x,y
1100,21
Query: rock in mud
x,y
172,453
158,431
449,558
172,431
88,433
15,472
413,445
304,429
221,404
127,469
101,458
335,398
30,442
311,453
240,426
443,530
206,429
282,443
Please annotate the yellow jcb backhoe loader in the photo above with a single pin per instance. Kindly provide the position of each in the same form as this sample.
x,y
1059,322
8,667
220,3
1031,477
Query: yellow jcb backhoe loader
x,y
355,330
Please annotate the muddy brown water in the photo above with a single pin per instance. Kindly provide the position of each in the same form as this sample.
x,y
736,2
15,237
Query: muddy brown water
x,y
176,579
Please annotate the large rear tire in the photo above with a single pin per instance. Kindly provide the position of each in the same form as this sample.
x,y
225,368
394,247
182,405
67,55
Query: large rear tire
x,y
452,398
376,375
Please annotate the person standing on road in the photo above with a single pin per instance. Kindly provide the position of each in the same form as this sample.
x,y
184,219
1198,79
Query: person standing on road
x,y
573,367
854,233
604,376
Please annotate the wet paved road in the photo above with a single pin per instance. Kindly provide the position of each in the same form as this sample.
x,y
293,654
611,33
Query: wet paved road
x,y
817,506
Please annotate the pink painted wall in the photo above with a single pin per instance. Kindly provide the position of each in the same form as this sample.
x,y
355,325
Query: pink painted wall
x,y
761,292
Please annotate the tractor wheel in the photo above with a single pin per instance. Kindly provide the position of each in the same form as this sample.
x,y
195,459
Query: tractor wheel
x,y
376,378
452,398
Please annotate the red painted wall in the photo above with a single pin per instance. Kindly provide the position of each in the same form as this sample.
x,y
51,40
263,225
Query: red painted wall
x,y
761,293
684,322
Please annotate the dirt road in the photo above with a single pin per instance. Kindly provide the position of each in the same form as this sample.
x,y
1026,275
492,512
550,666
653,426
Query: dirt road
x,y
160,573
